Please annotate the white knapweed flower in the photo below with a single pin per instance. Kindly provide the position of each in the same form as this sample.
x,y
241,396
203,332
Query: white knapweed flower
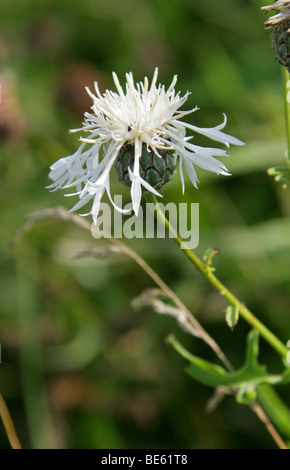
x,y
139,131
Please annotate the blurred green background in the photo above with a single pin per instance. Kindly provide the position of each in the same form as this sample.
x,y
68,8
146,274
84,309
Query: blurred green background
x,y
80,368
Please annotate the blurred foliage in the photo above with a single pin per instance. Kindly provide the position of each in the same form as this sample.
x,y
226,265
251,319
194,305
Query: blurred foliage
x,y
79,367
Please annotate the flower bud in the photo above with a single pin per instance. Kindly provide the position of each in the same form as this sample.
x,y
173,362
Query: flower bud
x,y
157,171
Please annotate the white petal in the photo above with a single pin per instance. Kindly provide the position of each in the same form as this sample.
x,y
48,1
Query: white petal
x,y
149,187
135,191
81,203
96,206
191,172
181,174
119,209
207,162
215,133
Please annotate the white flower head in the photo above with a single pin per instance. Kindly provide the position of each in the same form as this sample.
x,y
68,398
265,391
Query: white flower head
x,y
142,121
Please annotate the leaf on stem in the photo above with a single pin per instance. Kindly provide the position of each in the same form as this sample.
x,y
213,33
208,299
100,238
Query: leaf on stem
x,y
243,382
208,257
280,173
232,315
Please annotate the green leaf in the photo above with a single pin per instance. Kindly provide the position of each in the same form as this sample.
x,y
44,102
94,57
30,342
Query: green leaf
x,y
286,377
209,255
246,395
244,382
232,316
274,171
280,173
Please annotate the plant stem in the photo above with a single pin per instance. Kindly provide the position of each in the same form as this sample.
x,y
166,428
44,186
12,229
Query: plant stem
x,y
8,424
197,330
275,408
269,426
208,273
286,84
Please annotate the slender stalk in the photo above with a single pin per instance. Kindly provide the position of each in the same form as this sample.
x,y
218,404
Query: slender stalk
x,y
269,426
58,213
286,85
208,273
8,425
192,324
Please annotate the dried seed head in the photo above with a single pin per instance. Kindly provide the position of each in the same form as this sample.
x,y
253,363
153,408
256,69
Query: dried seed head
x,y
280,25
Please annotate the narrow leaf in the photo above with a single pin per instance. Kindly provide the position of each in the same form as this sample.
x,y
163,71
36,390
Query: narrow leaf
x,y
232,316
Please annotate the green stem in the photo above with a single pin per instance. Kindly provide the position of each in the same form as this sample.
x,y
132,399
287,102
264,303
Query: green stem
x,y
275,408
207,272
286,84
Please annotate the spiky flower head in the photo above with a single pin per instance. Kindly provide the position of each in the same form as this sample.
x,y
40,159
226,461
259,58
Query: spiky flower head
x,y
280,24
139,131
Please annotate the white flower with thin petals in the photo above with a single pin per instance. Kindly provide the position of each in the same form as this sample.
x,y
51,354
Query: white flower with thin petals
x,y
140,132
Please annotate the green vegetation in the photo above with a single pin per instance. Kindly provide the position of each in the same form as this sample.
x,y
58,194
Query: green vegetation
x,y
80,368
